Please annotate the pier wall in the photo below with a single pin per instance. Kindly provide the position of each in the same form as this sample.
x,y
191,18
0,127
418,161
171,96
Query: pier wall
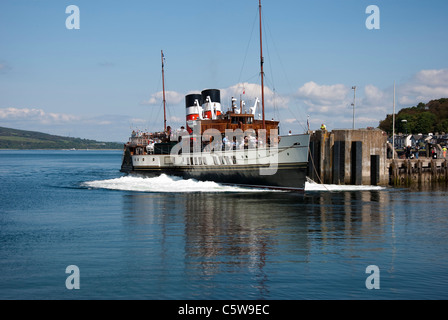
x,y
355,157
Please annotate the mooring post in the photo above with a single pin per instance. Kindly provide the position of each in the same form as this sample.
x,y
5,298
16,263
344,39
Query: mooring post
x,y
419,166
433,168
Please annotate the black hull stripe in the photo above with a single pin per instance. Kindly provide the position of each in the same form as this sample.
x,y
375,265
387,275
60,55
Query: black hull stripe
x,y
218,168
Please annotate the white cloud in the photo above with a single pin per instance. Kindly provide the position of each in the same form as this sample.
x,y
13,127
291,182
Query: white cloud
x,y
322,94
138,120
251,91
424,86
36,115
289,120
327,104
176,119
435,78
172,98
331,104
373,96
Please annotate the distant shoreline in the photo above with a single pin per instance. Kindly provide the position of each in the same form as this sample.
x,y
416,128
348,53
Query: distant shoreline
x,y
15,139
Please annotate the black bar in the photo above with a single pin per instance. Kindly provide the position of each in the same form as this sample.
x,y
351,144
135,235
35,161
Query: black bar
x,y
356,163
374,170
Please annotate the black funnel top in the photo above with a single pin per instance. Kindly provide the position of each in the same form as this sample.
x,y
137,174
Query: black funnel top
x,y
214,94
189,99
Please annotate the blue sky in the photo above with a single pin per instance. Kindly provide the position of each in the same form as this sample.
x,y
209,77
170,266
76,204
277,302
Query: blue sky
x,y
104,79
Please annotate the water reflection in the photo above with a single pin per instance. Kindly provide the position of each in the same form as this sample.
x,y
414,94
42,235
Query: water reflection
x,y
244,241
230,234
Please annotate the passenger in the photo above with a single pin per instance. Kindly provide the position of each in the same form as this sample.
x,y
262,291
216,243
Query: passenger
x,y
226,143
260,142
168,132
246,142
252,142
408,152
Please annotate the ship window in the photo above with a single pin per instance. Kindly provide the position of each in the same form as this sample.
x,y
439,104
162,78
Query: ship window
x,y
234,159
204,160
215,160
191,161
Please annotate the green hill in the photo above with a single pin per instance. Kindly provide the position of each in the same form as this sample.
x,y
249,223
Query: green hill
x,y
20,139
423,118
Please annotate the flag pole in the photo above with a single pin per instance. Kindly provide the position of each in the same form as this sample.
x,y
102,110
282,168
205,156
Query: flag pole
x,y
163,85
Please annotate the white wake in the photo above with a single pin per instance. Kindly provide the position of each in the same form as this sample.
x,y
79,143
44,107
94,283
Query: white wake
x,y
313,186
173,184
165,183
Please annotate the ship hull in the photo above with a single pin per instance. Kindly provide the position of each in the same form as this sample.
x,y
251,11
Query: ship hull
x,y
284,169
286,178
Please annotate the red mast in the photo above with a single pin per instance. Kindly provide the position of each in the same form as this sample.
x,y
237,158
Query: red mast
x,y
163,85
261,63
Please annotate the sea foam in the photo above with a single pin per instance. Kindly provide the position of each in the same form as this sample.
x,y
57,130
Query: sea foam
x,y
173,184
165,183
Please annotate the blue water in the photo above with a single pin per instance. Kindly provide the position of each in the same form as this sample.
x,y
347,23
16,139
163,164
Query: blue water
x,y
131,238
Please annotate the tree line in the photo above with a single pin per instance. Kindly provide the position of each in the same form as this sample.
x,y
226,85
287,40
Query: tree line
x,y
423,118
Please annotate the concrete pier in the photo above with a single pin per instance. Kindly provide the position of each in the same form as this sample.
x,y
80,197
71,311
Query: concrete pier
x,y
364,157
356,157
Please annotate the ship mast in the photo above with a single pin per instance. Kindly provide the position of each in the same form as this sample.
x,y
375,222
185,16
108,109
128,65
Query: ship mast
x,y
163,85
261,64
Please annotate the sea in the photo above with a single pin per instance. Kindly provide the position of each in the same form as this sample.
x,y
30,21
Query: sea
x,y
73,227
